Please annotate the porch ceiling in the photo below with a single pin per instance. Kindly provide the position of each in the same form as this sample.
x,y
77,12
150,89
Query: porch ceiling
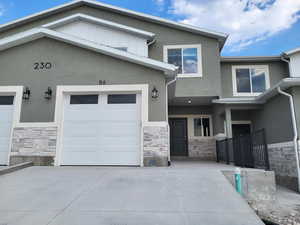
x,y
191,101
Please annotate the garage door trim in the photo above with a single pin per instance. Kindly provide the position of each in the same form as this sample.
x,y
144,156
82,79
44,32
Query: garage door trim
x,y
17,92
62,91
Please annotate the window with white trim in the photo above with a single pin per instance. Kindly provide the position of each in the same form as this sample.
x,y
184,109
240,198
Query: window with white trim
x,y
250,80
202,127
186,57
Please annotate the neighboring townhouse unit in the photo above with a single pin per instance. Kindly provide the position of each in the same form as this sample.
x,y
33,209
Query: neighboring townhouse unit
x,y
87,83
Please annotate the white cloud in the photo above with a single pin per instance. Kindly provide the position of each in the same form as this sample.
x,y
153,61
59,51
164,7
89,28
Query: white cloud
x,y
247,21
2,9
160,4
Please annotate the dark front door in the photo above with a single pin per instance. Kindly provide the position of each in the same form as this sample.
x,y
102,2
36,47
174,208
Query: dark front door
x,y
178,136
240,129
242,139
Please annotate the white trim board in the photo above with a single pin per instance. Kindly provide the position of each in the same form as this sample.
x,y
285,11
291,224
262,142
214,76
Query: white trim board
x,y
17,92
83,17
38,33
61,91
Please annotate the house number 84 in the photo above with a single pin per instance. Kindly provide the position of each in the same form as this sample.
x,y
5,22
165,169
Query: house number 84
x,y
42,66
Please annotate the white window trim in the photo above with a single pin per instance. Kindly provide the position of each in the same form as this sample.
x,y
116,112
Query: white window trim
x,y
62,91
234,86
199,53
190,124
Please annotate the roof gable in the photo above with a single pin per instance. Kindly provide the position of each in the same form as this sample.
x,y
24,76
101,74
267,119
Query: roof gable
x,y
86,18
221,37
38,33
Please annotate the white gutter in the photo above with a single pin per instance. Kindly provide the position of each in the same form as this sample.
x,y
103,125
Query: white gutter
x,y
167,115
295,139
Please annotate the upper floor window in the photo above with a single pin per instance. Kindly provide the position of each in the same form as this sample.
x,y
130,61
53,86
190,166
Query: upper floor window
x,y
186,57
250,80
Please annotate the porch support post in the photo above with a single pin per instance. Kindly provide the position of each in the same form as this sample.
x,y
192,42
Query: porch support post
x,y
228,122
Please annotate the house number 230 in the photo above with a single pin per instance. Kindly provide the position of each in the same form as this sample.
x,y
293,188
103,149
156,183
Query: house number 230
x,y
42,66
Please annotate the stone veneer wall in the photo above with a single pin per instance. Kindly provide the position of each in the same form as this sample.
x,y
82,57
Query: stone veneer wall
x,y
156,144
33,143
202,148
283,161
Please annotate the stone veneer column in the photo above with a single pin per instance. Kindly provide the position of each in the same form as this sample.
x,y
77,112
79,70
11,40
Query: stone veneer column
x,y
283,162
202,148
156,143
36,144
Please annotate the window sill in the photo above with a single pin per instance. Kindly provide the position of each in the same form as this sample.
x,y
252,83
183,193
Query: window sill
x,y
189,76
246,94
201,137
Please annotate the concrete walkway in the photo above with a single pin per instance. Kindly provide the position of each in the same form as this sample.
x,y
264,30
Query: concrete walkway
x,y
188,193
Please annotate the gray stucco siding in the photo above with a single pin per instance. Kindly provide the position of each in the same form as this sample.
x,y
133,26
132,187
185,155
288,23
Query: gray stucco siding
x,y
208,85
277,71
275,117
71,66
190,110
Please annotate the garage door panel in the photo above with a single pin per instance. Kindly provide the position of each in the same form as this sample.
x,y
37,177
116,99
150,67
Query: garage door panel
x,y
83,142
77,158
120,114
101,134
81,129
84,115
119,129
123,158
6,118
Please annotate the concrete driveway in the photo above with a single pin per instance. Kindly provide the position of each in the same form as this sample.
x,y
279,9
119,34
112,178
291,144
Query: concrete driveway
x,y
188,193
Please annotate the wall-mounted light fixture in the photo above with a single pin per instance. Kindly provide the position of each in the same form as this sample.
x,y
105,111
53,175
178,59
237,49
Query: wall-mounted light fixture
x,y
189,101
48,93
26,93
102,82
154,93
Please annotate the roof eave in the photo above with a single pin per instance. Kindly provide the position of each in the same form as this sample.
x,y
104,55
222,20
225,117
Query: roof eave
x,y
83,17
251,59
221,37
264,97
36,33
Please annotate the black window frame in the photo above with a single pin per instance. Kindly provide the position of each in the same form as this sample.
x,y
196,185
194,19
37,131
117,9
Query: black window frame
x,y
7,100
80,99
121,99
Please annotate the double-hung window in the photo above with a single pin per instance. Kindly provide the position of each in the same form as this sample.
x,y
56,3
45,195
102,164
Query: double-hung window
x,y
186,57
202,126
250,80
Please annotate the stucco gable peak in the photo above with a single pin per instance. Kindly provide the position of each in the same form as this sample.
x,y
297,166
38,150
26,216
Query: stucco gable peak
x,y
37,33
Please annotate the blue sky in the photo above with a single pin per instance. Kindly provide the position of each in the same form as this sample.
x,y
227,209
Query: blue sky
x,y
256,27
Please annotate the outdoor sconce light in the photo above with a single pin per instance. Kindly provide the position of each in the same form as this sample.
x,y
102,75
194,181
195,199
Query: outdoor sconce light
x,y
26,93
102,82
155,93
48,93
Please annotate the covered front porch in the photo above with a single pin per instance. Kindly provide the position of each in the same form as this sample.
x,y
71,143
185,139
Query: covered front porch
x,y
196,123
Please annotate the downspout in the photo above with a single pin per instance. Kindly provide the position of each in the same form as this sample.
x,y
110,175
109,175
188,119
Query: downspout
x,y
167,116
288,62
151,42
295,139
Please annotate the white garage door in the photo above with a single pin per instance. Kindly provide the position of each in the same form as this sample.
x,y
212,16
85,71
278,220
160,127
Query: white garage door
x,y
101,130
6,118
